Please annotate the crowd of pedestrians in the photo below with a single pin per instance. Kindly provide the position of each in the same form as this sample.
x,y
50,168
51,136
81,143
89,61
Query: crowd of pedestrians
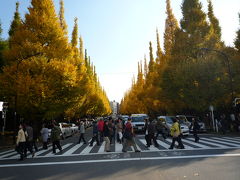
x,y
103,130
27,137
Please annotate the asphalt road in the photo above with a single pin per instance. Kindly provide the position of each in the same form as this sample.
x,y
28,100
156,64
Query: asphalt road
x,y
221,168
215,157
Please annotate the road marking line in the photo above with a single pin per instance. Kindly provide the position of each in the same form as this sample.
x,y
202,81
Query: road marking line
x,y
185,146
195,144
143,151
151,148
9,154
72,150
232,138
87,149
118,147
63,147
228,140
118,160
11,150
101,149
18,155
210,143
213,142
163,144
42,151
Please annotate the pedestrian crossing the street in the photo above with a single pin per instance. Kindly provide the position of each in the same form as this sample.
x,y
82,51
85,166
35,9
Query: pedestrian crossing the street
x,y
72,149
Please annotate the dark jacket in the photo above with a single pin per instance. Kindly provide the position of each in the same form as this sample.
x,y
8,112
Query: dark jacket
x,y
56,133
95,128
151,128
195,126
106,131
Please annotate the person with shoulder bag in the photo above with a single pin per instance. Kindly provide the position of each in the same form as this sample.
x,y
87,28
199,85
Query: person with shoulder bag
x,y
44,133
55,137
195,126
21,141
29,140
175,133
128,136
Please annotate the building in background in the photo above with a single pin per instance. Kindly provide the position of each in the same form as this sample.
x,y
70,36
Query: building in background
x,y
115,108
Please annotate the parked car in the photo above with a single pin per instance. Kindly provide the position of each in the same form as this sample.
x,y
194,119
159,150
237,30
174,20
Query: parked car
x,y
169,123
124,117
138,121
188,120
74,128
66,130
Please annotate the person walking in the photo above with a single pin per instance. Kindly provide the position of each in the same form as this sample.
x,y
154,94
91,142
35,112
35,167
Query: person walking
x,y
148,141
175,133
100,129
35,138
106,135
29,140
95,134
112,129
44,134
119,130
55,137
128,136
152,133
161,129
195,127
21,141
223,124
82,133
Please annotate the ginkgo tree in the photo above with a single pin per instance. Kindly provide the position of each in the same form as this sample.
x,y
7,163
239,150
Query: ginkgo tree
x,y
45,76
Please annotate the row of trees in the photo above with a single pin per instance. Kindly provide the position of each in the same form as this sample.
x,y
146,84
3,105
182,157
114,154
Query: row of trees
x,y
184,77
43,75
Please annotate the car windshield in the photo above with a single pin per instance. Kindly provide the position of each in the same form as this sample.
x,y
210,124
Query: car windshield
x,y
189,118
138,118
181,121
170,119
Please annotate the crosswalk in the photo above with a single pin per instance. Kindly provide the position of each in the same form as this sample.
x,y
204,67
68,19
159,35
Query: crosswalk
x,y
72,149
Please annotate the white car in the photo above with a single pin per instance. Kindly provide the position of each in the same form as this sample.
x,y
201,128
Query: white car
x,y
74,128
66,130
169,123
188,121
138,121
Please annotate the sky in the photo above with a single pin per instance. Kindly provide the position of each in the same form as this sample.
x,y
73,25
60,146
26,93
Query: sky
x,y
116,33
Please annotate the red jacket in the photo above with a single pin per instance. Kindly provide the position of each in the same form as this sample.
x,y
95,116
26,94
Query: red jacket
x,y
100,125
